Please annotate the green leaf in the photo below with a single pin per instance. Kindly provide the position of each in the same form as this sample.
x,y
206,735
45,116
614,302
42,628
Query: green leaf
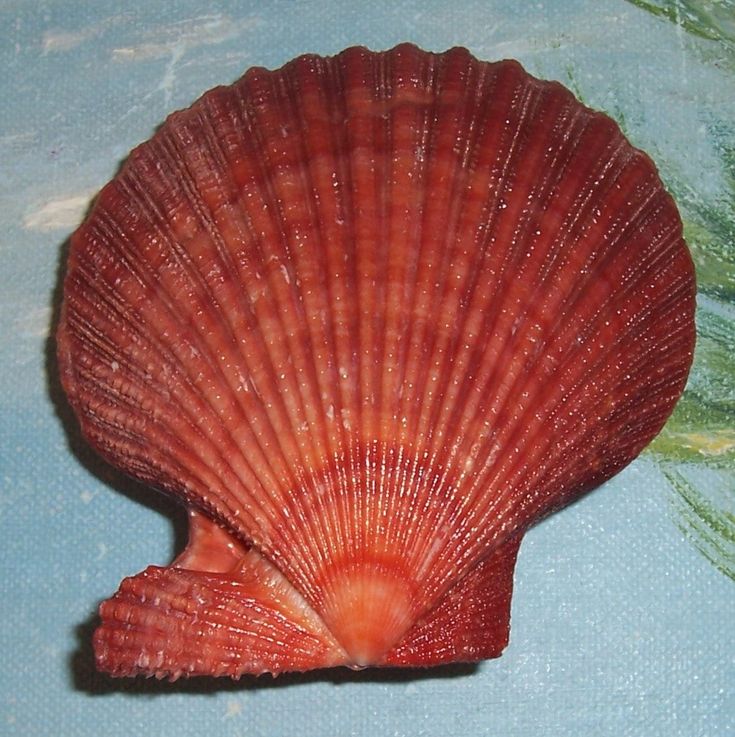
x,y
710,527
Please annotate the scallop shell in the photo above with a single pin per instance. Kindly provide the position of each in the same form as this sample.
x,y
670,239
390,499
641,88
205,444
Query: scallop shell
x,y
369,317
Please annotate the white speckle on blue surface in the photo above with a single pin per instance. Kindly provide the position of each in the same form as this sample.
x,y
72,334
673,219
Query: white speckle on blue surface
x,y
63,213
233,709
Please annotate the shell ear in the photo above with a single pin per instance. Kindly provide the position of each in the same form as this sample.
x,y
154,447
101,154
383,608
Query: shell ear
x,y
219,610
471,622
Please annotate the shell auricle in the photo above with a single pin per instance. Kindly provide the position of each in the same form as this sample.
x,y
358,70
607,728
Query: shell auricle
x,y
369,317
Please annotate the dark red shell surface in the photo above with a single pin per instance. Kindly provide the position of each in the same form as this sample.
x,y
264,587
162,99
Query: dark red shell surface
x,y
369,317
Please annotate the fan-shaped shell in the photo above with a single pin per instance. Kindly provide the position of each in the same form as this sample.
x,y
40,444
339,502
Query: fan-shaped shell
x,y
369,317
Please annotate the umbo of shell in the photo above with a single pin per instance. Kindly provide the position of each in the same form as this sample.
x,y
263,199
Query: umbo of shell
x,y
369,317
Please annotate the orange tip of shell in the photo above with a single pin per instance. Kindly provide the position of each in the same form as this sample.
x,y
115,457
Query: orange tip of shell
x,y
368,612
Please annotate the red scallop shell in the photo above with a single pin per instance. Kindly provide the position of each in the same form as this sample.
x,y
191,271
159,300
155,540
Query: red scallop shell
x,y
370,317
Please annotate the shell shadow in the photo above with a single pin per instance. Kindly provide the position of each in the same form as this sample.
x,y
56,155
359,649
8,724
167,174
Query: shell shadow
x,y
76,442
87,679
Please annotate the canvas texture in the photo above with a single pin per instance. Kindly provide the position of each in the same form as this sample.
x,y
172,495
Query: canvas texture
x,y
623,605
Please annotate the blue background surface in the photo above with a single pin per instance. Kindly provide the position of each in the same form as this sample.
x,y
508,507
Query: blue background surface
x,y
619,625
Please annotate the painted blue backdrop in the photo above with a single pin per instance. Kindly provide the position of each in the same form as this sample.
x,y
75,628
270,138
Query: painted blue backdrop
x,y
623,609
